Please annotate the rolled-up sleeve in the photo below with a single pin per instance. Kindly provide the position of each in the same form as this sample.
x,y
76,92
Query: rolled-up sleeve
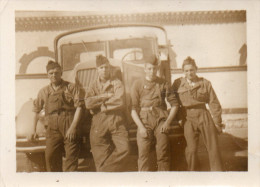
x,y
135,98
77,94
38,103
175,86
170,95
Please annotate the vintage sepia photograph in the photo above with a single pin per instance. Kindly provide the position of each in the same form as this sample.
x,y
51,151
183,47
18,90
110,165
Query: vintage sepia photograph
x,y
129,93
152,91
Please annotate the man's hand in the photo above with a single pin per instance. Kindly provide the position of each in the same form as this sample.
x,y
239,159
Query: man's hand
x,y
91,112
181,123
143,132
71,133
32,136
165,127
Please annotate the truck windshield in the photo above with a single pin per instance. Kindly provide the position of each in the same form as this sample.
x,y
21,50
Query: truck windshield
x,y
74,53
135,50
131,49
135,44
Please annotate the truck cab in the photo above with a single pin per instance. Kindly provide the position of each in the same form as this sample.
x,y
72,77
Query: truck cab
x,y
127,47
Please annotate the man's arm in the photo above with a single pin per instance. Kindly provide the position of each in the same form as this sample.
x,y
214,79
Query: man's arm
x,y
78,98
92,102
114,101
142,130
92,99
38,104
135,99
72,131
166,125
215,107
172,99
34,135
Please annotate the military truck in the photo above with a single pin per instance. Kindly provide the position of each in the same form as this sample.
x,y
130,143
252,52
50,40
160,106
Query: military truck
x,y
127,46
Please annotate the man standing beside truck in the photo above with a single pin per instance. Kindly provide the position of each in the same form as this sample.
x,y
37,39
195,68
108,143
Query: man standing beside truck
x,y
108,136
194,93
149,112
62,102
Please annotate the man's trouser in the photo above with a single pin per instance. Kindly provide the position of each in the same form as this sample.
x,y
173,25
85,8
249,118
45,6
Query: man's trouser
x,y
109,141
153,121
199,121
58,124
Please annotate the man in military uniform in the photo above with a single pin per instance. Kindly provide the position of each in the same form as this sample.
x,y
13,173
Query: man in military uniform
x,y
149,112
193,94
62,102
108,135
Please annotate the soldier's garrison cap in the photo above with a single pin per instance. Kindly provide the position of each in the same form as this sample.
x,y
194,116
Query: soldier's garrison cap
x,y
189,61
100,60
51,65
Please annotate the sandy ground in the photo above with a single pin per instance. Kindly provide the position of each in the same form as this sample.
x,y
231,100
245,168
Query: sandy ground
x,y
233,150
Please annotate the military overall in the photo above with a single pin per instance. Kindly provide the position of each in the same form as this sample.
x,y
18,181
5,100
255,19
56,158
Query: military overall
x,y
109,141
108,135
59,115
198,121
149,97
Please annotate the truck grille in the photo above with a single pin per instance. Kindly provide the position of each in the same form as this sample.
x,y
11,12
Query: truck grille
x,y
86,76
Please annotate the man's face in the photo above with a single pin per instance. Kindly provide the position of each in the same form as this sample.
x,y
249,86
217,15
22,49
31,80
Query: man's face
x,y
104,71
55,75
190,72
150,71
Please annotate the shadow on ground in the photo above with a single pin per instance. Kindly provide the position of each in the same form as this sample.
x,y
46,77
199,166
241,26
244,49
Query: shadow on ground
x,y
233,150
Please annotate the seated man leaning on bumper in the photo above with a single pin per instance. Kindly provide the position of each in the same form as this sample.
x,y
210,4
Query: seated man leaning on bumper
x,y
150,114
108,136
